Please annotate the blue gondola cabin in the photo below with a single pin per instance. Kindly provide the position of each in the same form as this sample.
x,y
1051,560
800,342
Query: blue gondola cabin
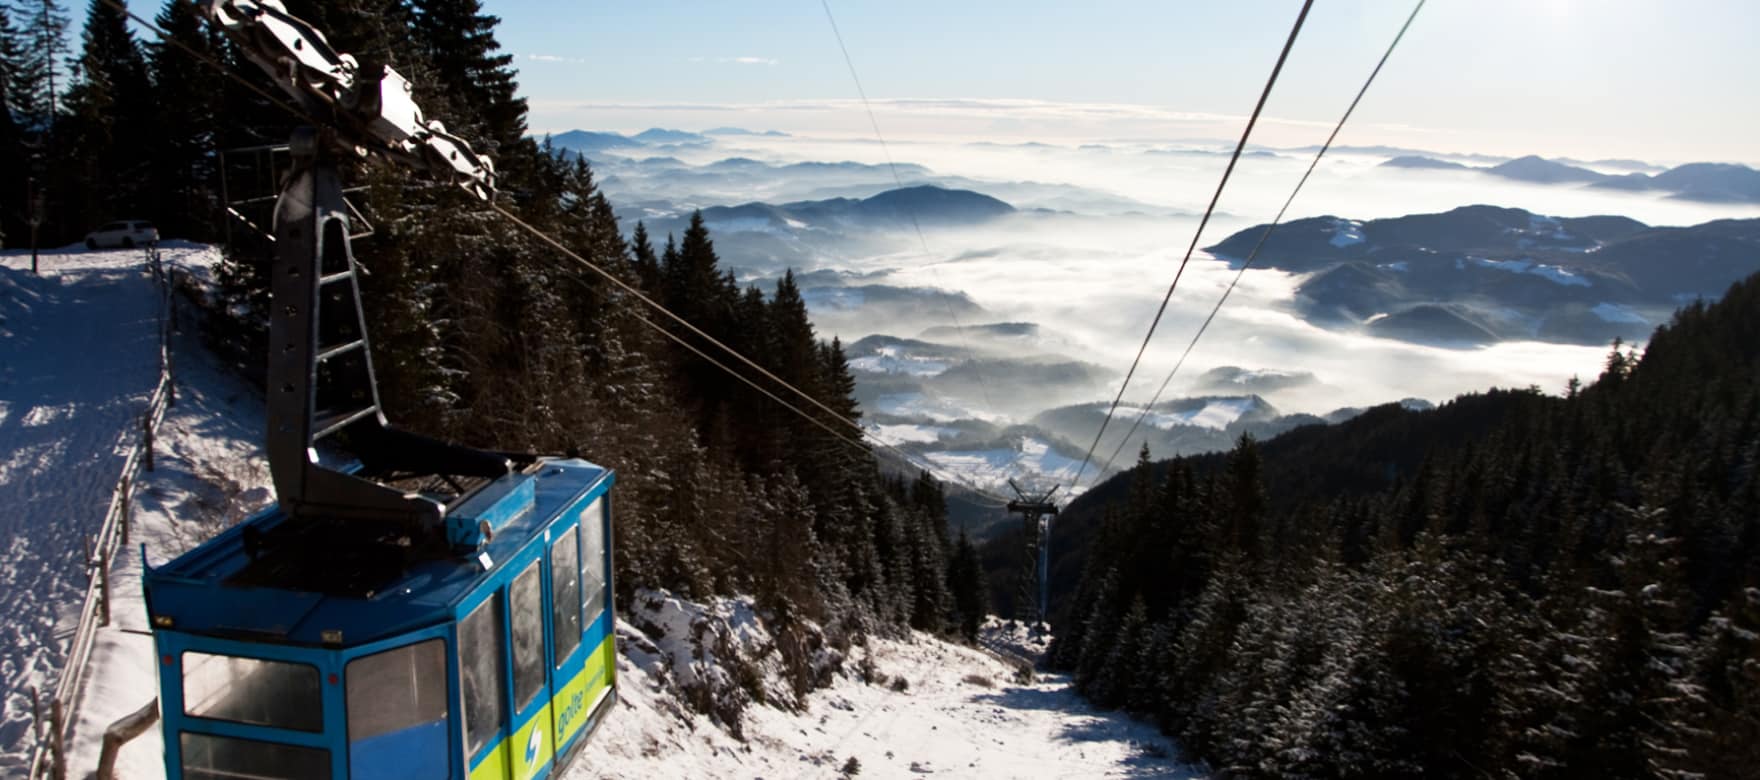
x,y
288,650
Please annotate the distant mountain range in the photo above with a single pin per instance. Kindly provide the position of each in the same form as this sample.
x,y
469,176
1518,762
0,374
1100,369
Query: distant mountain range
x,y
590,142
1704,182
926,205
1481,274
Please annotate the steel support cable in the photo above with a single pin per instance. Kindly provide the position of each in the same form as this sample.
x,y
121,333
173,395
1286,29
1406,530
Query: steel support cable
x,y
1196,235
856,442
1248,262
212,63
886,151
749,363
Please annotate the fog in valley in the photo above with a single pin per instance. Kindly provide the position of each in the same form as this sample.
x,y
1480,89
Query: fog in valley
x,y
973,333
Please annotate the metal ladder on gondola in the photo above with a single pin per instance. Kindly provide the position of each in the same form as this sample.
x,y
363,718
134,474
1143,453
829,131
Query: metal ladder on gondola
x,y
321,383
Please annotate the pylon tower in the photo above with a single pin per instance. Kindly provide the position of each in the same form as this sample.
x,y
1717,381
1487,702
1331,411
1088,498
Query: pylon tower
x,y
1036,511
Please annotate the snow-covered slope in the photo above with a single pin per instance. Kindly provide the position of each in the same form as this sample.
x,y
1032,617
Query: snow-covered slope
x,y
209,471
78,360
928,708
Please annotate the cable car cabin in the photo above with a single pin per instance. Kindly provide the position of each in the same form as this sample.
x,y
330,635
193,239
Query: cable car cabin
x,y
292,649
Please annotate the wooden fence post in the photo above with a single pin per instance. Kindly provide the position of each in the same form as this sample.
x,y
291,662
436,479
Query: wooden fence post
x,y
127,508
56,754
37,712
147,432
104,586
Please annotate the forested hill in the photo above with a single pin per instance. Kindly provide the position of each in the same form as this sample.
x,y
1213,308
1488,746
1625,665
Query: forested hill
x,y
1513,584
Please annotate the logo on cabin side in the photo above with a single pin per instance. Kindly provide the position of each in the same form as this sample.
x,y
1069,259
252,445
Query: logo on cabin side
x,y
532,745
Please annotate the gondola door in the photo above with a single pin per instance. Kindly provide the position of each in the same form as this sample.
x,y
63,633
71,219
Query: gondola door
x,y
532,744
568,710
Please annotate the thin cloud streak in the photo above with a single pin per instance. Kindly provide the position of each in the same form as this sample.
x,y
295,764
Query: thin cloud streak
x,y
556,58
737,60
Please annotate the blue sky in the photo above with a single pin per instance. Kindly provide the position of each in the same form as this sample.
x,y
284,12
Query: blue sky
x,y
1669,81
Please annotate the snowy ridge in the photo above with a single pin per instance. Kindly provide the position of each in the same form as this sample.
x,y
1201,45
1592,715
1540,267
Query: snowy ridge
x,y
1216,414
888,360
908,433
1553,273
1346,232
992,468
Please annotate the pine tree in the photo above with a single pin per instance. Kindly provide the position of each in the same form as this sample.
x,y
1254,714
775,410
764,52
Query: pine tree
x,y
186,125
34,89
1118,673
1245,496
787,570
473,85
13,153
970,597
110,118
1723,732
647,264
930,598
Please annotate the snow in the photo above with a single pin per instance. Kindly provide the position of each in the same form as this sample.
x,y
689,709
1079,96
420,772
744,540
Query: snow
x,y
1548,226
1613,312
1560,275
960,713
937,409
1401,266
910,434
1512,266
889,360
1216,414
990,469
65,426
1346,232
1552,273
72,388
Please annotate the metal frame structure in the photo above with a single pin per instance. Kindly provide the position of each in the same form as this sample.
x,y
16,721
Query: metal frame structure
x,y
1036,511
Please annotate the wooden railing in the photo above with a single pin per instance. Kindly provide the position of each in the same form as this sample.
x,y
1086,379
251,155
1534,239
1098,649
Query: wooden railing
x,y
49,759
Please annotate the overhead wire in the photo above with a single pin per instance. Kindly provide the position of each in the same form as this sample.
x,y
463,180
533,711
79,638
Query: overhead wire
x,y
680,340
165,37
1196,235
749,363
1248,262
542,236
892,166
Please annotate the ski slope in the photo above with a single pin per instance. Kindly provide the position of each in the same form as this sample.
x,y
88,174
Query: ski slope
x,y
78,356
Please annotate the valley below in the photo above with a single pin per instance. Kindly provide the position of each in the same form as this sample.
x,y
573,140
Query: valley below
x,y
990,296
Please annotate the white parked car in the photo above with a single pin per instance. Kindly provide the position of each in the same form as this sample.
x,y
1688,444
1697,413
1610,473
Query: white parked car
x,y
127,234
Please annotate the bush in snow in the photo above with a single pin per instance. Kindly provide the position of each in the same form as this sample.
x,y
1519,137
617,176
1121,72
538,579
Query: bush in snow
x,y
723,656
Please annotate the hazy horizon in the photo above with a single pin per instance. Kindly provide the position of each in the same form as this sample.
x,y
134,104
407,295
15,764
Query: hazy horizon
x,y
1558,78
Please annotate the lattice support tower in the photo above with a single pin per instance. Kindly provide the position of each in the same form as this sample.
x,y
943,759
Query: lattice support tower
x,y
1033,593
